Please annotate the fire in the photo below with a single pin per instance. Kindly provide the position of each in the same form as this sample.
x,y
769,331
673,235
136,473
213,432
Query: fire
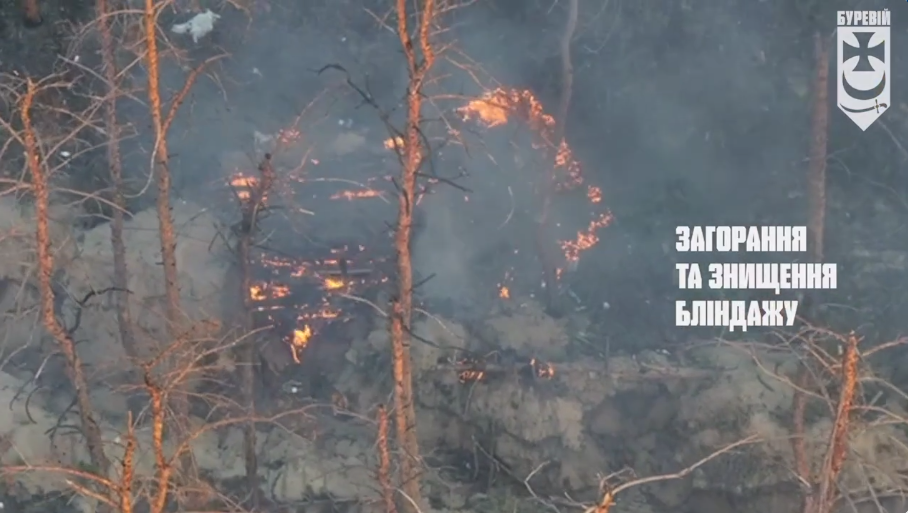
x,y
352,195
300,341
244,181
504,291
585,239
487,111
565,163
243,185
257,293
543,370
288,136
268,291
471,375
594,194
394,143
494,108
334,284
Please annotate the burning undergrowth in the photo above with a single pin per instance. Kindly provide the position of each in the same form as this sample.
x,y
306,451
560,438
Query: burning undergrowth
x,y
326,243
317,259
526,213
501,106
299,297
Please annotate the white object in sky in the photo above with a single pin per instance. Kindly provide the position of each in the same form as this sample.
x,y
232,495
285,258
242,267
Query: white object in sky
x,y
199,26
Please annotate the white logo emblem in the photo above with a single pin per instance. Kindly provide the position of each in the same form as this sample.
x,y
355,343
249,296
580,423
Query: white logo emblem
x,y
862,68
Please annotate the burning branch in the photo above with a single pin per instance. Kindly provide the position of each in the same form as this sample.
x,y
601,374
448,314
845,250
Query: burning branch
x,y
36,168
160,169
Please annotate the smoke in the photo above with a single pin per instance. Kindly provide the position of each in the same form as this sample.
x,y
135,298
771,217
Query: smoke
x,y
682,114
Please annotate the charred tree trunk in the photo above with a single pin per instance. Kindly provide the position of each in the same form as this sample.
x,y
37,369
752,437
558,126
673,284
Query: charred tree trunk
x,y
816,173
115,165
64,339
31,13
384,462
544,237
161,170
413,154
815,500
252,209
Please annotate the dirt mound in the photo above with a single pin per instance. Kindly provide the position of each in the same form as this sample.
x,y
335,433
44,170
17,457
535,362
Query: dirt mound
x,y
507,387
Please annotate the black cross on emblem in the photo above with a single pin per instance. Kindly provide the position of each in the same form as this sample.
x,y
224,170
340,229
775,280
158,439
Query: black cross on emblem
x,y
863,52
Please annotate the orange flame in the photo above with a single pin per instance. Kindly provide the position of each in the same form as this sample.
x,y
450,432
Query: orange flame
x,y
266,291
244,181
300,340
487,111
504,292
594,194
257,293
542,369
243,185
585,239
288,136
394,143
495,108
471,375
334,284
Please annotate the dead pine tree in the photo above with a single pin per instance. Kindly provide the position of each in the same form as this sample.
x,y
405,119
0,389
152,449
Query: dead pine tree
x,y
163,467
115,168
253,208
420,57
544,238
45,255
816,172
816,168
820,490
160,168
816,227
816,488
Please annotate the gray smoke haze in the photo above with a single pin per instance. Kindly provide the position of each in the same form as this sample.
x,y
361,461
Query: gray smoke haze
x,y
682,114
